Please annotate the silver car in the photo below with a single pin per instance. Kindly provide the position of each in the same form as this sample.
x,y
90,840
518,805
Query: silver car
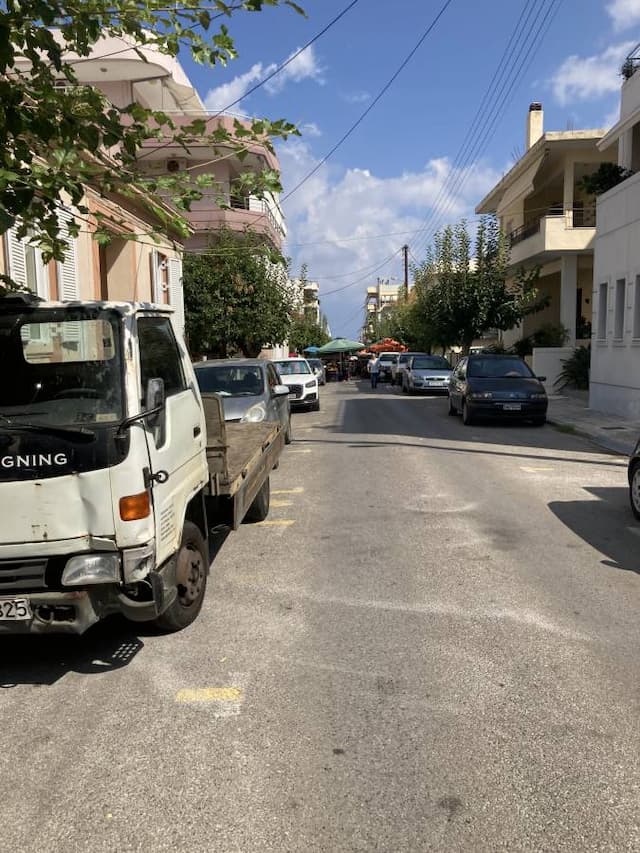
x,y
251,390
317,366
429,373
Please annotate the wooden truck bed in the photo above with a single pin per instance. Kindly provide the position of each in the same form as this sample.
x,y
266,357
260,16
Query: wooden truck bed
x,y
240,456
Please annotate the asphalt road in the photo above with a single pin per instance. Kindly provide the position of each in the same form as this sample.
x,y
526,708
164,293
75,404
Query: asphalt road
x,y
431,645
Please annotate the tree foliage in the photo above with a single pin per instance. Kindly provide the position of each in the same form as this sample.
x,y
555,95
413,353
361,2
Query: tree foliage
x,y
237,297
306,332
606,176
463,288
58,135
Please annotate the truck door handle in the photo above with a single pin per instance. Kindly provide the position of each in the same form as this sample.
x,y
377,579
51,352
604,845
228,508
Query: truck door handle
x,y
196,431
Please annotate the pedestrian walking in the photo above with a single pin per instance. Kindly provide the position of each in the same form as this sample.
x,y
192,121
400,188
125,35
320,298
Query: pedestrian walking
x,y
374,370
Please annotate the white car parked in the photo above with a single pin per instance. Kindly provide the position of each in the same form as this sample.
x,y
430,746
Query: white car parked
x,y
297,374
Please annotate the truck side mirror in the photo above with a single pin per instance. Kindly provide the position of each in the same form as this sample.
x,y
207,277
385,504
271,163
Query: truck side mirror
x,y
154,402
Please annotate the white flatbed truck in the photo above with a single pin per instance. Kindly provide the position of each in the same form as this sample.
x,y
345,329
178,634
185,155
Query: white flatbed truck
x,y
114,469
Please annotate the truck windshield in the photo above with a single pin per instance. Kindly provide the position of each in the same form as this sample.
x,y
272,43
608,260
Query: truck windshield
x,y
60,368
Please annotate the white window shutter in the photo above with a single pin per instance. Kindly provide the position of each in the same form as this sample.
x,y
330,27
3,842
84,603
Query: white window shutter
x,y
17,258
68,284
155,276
176,296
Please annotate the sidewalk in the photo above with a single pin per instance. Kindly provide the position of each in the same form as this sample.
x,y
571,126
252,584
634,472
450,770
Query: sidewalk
x,y
570,411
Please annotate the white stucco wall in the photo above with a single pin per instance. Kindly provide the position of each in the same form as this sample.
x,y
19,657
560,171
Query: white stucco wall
x,y
615,360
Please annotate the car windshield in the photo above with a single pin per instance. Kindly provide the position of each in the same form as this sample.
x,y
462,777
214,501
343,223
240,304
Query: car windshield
x,y
291,368
386,356
430,362
498,368
231,380
61,368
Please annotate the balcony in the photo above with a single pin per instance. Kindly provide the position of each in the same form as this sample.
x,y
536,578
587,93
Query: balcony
x,y
242,214
539,240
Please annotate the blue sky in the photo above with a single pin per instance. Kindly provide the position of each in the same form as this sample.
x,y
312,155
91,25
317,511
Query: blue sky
x,y
397,172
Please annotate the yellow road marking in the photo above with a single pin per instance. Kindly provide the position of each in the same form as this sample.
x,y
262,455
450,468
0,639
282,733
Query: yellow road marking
x,y
210,694
299,451
276,522
278,504
297,491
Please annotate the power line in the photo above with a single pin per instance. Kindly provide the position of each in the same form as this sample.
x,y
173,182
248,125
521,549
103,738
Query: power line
x,y
362,278
512,75
380,94
270,76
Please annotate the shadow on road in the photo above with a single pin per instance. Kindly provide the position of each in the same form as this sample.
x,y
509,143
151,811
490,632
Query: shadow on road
x,y
388,412
107,646
606,524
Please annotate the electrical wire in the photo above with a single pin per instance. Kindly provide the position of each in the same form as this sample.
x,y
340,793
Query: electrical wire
x,y
269,76
373,103
512,76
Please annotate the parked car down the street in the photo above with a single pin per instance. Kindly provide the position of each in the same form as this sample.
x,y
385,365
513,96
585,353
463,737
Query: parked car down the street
x,y
317,365
302,382
251,390
399,365
497,386
429,373
386,360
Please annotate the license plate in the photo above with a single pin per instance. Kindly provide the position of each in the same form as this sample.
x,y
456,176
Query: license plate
x,y
435,384
512,407
14,609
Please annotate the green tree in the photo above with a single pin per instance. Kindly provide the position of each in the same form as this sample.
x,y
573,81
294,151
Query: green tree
x,y
305,332
236,297
464,290
57,135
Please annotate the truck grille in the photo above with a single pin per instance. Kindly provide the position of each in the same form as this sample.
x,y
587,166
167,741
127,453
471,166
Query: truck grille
x,y
295,390
22,574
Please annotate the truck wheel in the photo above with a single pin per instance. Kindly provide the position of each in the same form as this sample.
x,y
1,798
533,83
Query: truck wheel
x,y
192,566
259,509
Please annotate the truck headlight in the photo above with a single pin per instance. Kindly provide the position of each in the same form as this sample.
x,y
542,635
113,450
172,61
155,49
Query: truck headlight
x,y
255,415
92,568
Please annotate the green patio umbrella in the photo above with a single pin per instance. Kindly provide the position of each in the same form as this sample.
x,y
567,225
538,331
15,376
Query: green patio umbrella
x,y
338,346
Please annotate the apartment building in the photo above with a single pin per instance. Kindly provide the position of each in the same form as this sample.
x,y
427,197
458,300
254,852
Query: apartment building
x,y
615,352
380,296
551,224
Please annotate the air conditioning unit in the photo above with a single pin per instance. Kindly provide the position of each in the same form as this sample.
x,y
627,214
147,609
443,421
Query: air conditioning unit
x,y
175,165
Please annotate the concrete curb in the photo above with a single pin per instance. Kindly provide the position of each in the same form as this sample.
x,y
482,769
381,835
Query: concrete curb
x,y
619,446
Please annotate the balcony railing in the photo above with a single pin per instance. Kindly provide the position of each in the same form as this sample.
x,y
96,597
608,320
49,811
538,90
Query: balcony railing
x,y
576,217
523,232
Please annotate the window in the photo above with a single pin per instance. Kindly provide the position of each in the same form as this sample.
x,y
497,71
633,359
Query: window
x,y
618,316
159,356
25,264
272,377
602,311
636,308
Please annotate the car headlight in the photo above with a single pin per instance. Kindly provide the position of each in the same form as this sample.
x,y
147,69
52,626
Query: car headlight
x,y
538,396
255,415
480,395
92,568
311,384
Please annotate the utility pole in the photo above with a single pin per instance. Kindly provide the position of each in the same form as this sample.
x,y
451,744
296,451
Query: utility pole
x,y
405,252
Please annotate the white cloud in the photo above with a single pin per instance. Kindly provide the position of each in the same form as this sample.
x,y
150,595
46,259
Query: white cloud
x,y
590,77
310,129
624,13
332,208
303,67
355,97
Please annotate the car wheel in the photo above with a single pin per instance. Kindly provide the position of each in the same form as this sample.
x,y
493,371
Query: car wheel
x,y
452,408
315,407
634,490
539,421
259,509
467,417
